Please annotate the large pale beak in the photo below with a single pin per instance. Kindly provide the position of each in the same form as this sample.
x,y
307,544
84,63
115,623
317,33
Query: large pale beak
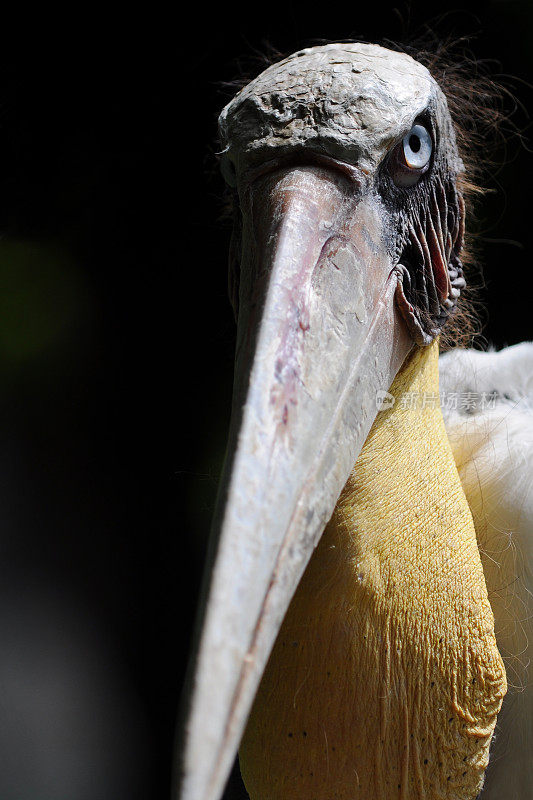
x,y
319,341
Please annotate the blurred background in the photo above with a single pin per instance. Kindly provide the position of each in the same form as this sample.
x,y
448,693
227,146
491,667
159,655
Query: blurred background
x,y
116,345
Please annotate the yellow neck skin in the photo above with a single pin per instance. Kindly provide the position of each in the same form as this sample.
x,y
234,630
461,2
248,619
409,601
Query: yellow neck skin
x,y
385,680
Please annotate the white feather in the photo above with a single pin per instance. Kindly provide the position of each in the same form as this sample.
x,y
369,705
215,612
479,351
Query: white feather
x,y
487,402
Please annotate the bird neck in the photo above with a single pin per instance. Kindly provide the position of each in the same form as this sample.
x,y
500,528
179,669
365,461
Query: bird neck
x,y
385,680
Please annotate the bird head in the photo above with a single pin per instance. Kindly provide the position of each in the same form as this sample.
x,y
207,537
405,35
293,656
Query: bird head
x,y
345,255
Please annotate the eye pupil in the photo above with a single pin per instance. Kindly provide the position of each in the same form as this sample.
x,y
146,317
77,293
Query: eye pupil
x,y
414,143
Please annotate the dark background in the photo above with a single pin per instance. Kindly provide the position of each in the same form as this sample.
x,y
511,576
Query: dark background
x,y
116,345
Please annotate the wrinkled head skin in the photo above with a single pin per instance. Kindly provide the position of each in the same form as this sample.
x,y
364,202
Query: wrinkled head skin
x,y
344,264
354,103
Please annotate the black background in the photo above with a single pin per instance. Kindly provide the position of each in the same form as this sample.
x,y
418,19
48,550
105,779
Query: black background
x,y
116,345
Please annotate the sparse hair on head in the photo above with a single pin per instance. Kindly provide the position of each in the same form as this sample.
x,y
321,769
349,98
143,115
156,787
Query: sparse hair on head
x,y
482,108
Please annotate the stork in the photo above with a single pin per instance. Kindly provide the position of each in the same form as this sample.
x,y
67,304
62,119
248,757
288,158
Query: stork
x,y
346,638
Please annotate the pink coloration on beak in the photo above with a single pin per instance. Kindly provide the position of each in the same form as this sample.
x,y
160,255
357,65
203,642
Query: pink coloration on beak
x,y
318,339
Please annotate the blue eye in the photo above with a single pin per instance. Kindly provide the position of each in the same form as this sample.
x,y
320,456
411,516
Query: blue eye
x,y
411,157
417,147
